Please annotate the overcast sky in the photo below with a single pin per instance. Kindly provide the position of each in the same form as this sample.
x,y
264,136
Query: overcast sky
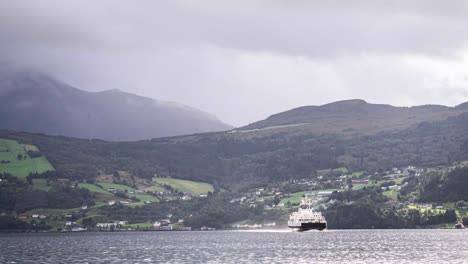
x,y
246,60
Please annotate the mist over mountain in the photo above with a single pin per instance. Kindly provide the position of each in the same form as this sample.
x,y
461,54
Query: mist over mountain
x,y
33,102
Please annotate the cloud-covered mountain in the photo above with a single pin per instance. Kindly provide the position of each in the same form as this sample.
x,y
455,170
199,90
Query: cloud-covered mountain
x,y
30,101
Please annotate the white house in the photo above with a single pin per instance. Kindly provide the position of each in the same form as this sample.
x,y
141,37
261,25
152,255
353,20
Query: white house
x,y
106,225
324,193
186,197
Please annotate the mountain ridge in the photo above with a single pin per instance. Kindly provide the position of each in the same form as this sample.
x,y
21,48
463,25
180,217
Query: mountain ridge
x,y
357,115
34,102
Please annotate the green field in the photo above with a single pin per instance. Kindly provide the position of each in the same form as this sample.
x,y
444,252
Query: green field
x,y
392,194
295,198
115,186
101,188
460,212
357,174
327,171
399,180
41,184
28,147
54,216
139,225
52,212
93,188
266,128
191,187
98,204
423,209
155,188
9,151
360,186
144,197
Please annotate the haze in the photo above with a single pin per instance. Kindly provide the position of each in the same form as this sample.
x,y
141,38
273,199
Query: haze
x,y
246,60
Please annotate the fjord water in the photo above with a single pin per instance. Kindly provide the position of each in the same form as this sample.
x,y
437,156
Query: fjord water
x,y
353,246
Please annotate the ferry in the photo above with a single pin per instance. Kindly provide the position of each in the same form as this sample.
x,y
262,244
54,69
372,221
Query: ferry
x,y
306,218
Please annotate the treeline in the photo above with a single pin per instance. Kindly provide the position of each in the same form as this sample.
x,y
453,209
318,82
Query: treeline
x,y
451,187
366,214
242,159
19,196
9,185
48,175
58,197
9,223
369,209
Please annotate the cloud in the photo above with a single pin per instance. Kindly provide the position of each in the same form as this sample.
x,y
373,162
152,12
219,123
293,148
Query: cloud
x,y
245,60
310,28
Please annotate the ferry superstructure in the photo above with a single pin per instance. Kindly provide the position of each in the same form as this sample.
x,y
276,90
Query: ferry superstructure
x,y
306,218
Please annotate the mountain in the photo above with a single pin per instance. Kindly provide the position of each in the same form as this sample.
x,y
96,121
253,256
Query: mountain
x,y
290,145
284,159
236,160
355,116
30,101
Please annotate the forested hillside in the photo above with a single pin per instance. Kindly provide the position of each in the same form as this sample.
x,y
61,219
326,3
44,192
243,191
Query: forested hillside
x,y
234,160
395,178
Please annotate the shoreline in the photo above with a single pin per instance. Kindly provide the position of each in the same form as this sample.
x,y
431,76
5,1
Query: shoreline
x,y
218,230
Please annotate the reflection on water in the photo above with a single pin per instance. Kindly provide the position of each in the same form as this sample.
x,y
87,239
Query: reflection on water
x,y
270,246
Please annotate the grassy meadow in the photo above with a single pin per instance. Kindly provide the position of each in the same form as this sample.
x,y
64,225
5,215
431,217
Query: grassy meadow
x,y
15,160
115,186
144,197
295,198
94,188
41,184
191,187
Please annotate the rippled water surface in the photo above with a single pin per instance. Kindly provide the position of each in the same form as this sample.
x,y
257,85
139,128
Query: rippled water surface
x,y
355,246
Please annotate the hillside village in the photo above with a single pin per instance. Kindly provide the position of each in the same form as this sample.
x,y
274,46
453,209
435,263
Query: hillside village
x,y
328,182
112,194
270,204
287,195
